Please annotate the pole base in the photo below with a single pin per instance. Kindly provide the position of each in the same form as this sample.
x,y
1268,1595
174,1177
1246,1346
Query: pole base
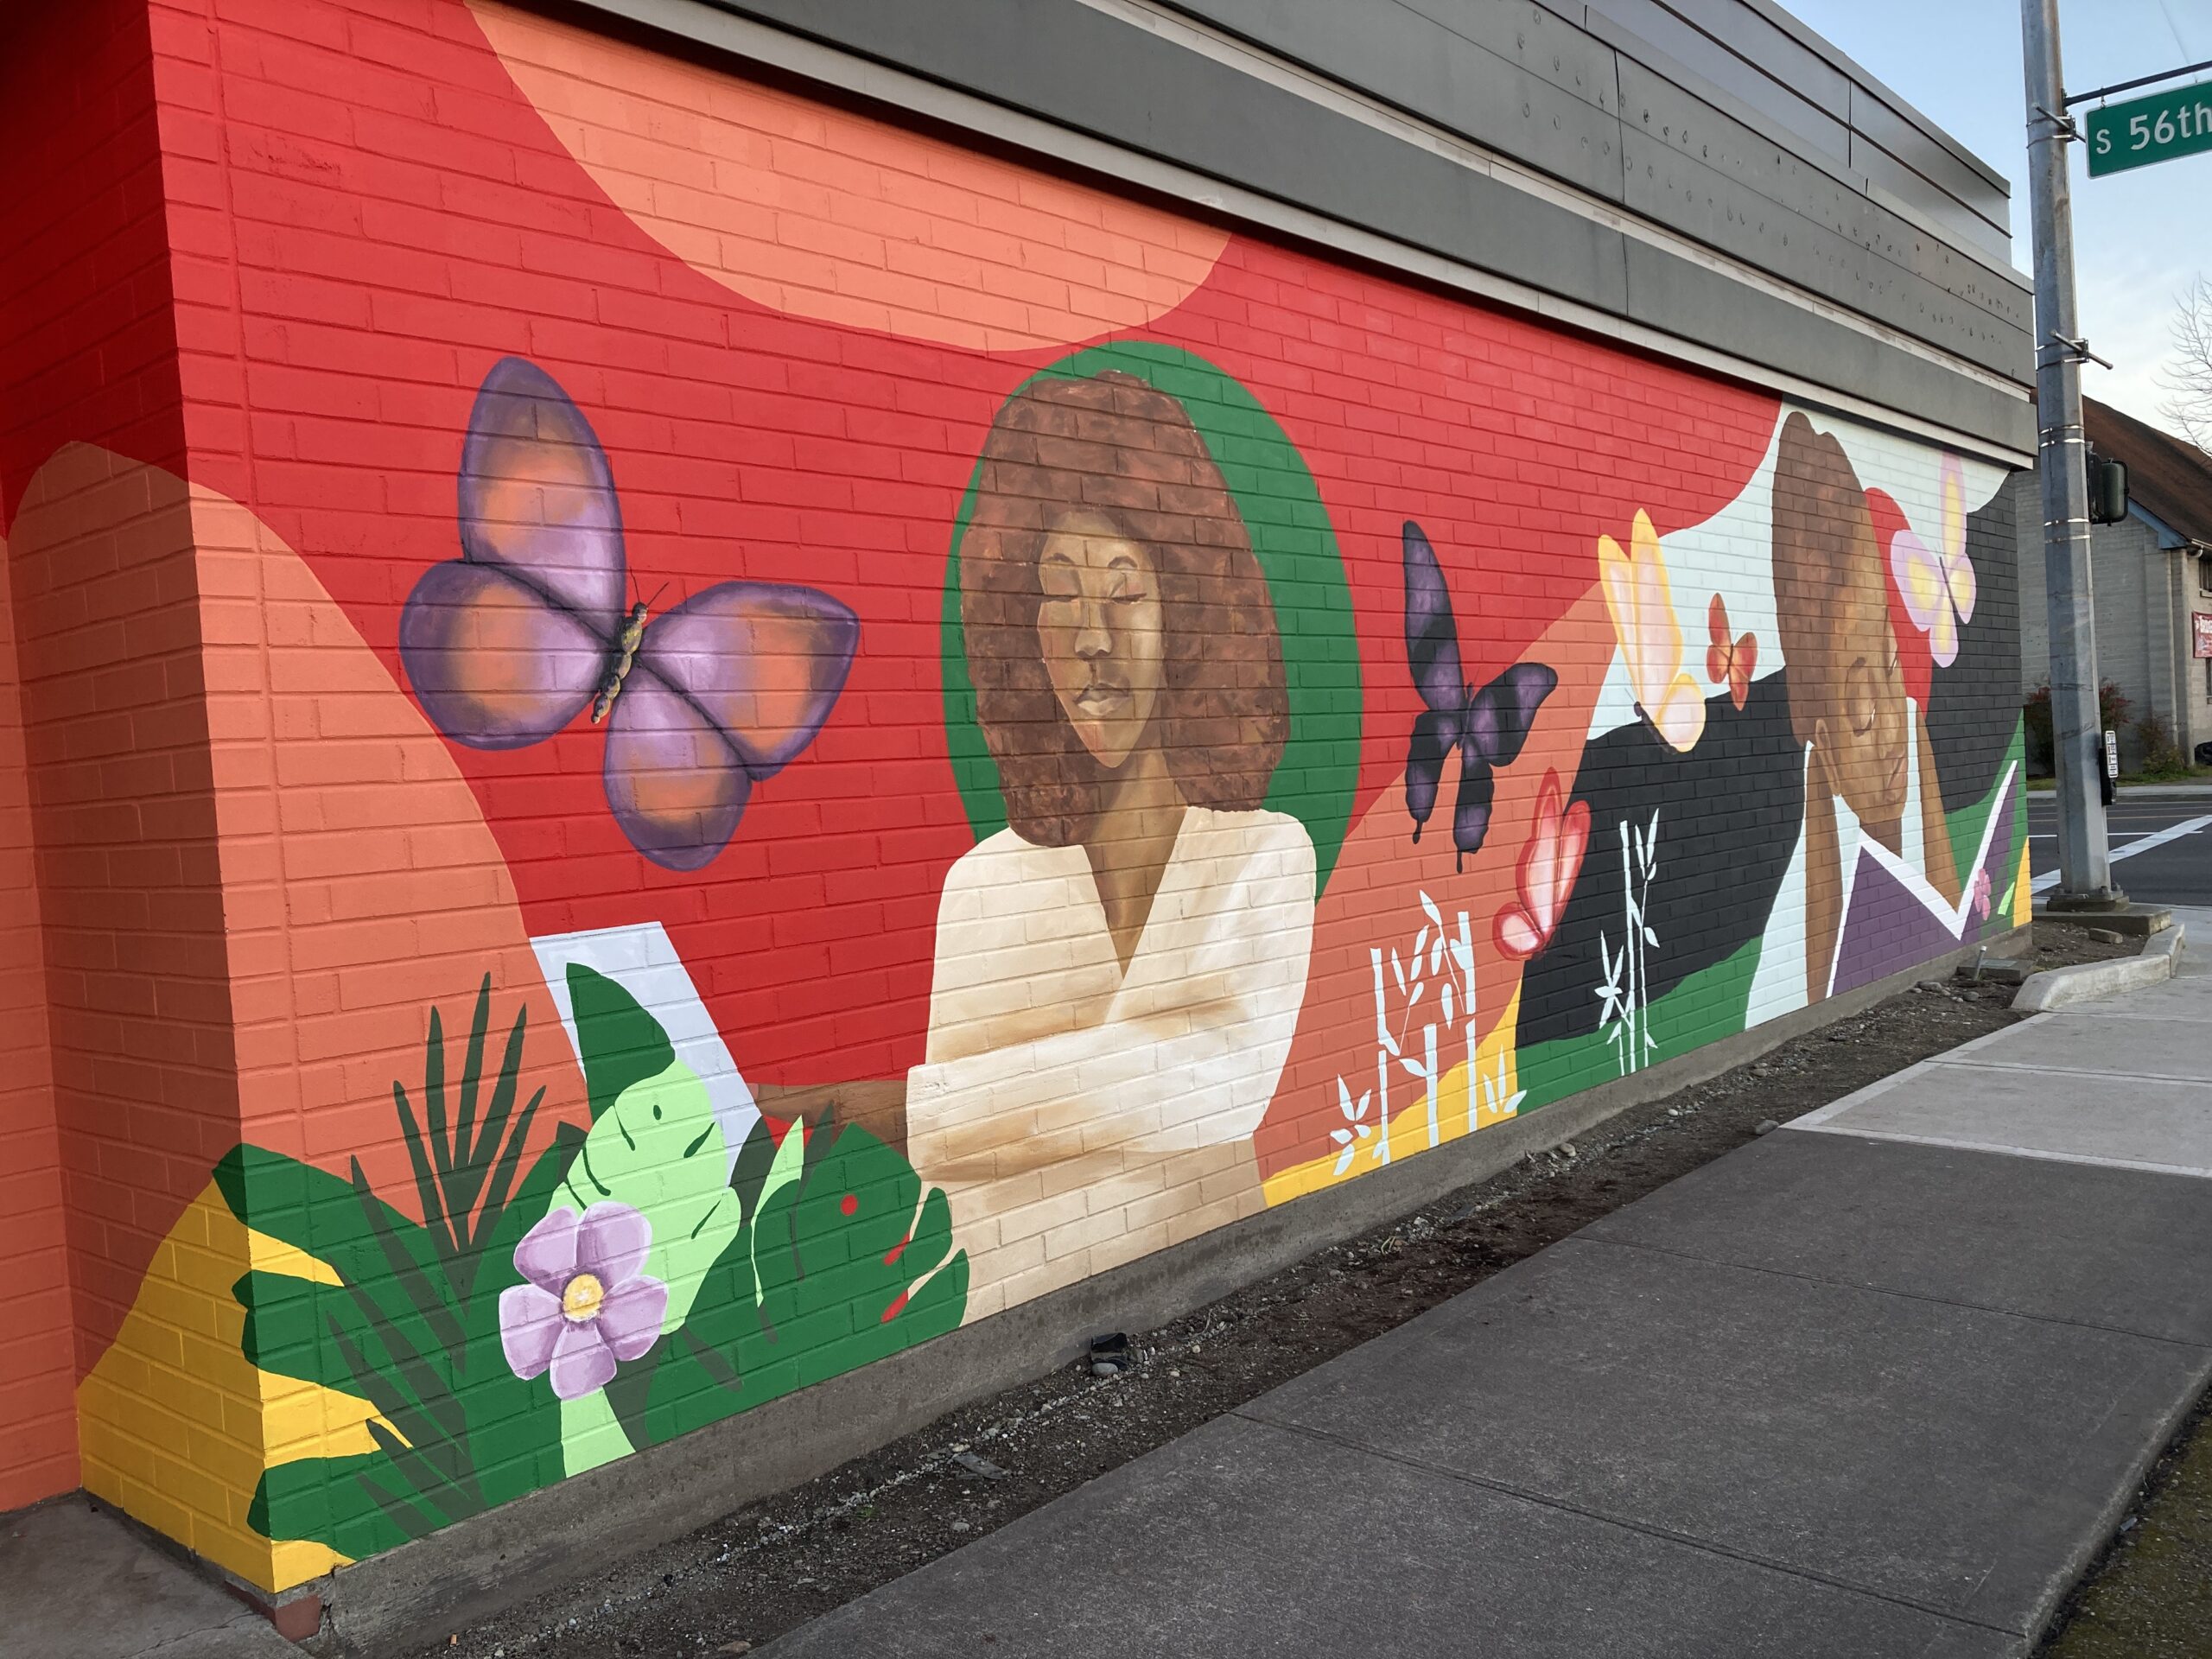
x,y
2137,921
2086,903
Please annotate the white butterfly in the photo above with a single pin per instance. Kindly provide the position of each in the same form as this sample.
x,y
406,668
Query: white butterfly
x,y
1938,583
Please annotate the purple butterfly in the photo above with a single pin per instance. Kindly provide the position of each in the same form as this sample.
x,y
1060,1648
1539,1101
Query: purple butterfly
x,y
527,629
1488,727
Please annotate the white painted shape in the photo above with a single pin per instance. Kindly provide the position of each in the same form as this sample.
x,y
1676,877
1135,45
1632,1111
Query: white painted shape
x,y
640,958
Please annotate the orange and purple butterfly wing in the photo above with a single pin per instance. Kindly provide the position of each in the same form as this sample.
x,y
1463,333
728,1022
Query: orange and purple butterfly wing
x,y
764,661
727,689
674,783
504,645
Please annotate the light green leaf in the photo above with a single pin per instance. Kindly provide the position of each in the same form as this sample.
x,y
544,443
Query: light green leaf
x,y
790,1162
657,1149
591,1434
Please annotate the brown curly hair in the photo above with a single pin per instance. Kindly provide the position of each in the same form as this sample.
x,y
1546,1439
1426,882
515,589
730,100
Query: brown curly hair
x,y
1113,445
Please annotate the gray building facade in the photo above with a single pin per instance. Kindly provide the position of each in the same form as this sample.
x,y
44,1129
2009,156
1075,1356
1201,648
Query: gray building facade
x,y
2153,579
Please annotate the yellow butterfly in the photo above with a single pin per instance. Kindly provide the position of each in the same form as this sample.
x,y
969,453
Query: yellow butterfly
x,y
1650,636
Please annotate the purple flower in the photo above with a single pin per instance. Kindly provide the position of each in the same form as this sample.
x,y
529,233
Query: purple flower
x,y
586,1304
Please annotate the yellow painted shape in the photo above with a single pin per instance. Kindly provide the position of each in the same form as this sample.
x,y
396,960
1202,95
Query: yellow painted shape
x,y
1495,1059
176,1426
2023,901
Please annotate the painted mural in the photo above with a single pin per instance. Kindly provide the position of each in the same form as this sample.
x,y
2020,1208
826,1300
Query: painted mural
x,y
888,733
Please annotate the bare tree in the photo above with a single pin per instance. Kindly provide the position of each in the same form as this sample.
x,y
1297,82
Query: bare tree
x,y
2188,372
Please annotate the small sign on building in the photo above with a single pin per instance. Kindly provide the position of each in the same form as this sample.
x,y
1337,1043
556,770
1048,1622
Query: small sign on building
x,y
2201,633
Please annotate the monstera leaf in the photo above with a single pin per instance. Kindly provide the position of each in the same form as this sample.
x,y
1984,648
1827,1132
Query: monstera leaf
x,y
657,1149
620,1044
844,1263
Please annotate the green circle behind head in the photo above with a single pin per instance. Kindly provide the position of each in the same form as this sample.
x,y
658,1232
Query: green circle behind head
x,y
1292,538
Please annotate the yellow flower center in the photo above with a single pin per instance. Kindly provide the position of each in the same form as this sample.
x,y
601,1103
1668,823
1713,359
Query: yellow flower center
x,y
581,1301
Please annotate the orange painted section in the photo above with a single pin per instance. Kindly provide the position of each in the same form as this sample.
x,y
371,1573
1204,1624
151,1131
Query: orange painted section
x,y
137,976
1364,907
816,211
361,883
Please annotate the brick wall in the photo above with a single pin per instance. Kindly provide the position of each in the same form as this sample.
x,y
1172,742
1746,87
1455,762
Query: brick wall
x,y
37,1374
86,352
896,972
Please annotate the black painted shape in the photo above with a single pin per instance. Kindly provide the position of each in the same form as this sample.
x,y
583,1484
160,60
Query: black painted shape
x,y
1729,811
1974,704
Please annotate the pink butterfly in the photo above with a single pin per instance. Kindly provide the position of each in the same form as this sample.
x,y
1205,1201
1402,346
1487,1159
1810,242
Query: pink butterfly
x,y
1549,864
1938,583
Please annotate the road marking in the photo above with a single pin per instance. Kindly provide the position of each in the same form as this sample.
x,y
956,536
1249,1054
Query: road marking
x,y
2172,832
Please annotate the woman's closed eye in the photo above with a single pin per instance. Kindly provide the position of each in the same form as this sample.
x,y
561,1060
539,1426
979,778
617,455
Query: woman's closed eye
x,y
1859,697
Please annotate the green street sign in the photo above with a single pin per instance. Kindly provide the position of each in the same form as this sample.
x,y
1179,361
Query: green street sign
x,y
2153,129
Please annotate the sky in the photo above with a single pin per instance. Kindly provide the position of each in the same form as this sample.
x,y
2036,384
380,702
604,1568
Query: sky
x,y
2139,236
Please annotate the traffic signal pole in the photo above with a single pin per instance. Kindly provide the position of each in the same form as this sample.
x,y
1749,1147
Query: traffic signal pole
x,y
2062,465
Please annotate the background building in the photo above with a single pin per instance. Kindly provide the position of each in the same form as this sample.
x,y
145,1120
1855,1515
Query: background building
x,y
2153,583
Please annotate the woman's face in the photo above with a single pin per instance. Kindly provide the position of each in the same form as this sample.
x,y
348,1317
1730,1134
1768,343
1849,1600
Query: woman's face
x,y
1099,628
1865,736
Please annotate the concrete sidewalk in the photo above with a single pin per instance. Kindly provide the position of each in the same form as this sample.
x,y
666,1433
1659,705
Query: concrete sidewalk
x,y
78,1583
1882,1385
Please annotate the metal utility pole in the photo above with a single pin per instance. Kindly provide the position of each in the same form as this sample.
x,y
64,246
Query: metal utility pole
x,y
2062,465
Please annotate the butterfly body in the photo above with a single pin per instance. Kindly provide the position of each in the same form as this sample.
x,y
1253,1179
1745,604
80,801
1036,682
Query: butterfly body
x,y
1488,726
506,646
633,636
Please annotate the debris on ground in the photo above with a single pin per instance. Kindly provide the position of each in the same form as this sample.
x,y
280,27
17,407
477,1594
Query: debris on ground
x,y
775,1564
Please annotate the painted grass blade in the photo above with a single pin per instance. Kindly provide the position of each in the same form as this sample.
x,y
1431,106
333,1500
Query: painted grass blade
x,y
434,1091
472,1078
426,1182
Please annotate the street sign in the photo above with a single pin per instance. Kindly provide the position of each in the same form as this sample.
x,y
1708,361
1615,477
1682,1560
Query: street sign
x,y
2154,129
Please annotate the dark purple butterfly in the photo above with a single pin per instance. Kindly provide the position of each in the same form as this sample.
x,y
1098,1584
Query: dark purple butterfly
x,y
529,627
1487,727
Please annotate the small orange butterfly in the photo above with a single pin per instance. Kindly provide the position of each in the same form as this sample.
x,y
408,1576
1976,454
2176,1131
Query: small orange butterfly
x,y
1732,664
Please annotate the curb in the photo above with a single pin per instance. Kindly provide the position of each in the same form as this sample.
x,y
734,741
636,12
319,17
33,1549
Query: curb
x,y
2085,981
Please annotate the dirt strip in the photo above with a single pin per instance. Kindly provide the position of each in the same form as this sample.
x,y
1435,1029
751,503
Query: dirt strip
x,y
772,1566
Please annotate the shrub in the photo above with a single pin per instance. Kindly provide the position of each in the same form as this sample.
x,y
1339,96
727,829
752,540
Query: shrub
x,y
2161,753
2113,705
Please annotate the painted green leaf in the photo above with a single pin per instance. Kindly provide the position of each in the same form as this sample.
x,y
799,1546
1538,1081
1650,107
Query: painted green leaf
x,y
470,1433
619,1042
658,1149
841,1266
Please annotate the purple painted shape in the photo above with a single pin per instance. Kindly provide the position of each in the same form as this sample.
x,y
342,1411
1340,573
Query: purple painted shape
x,y
1888,928
494,665
764,661
674,782
537,495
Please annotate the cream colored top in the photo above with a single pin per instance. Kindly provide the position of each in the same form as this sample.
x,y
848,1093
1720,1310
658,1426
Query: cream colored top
x,y
1041,1049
